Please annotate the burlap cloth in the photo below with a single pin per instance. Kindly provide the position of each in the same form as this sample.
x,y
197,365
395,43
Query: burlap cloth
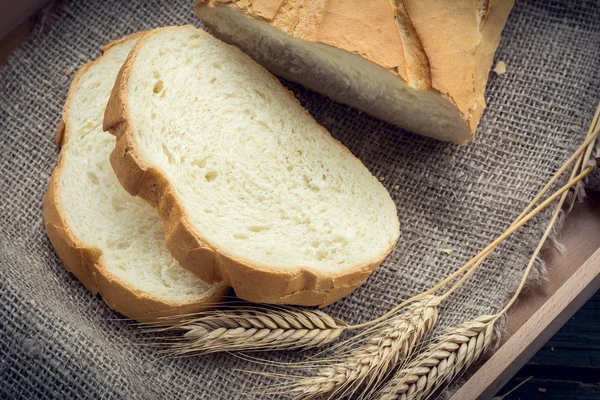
x,y
59,341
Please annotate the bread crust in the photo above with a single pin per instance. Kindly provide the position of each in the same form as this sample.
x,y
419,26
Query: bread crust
x,y
454,41
85,262
256,283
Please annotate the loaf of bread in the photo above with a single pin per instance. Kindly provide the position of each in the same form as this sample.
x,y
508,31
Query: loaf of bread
x,y
419,64
251,190
111,241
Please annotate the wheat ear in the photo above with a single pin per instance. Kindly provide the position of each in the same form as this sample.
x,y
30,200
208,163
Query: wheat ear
x,y
366,365
453,353
441,360
252,328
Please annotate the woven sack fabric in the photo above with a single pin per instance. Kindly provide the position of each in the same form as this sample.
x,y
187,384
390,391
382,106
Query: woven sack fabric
x,y
59,341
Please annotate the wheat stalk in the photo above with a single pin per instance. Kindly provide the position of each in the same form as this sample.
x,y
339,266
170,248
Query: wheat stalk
x,y
441,361
453,353
456,351
389,343
252,328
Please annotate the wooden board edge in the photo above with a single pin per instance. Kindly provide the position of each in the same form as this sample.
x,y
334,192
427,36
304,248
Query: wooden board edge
x,y
532,335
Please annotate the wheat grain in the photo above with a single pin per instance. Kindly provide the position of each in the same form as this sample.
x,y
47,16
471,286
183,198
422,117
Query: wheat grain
x,y
255,329
389,343
441,361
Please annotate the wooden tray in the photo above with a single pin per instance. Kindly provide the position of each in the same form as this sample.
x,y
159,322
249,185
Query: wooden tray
x,y
572,279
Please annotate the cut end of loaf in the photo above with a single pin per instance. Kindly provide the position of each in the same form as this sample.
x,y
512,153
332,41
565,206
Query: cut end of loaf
x,y
348,77
250,188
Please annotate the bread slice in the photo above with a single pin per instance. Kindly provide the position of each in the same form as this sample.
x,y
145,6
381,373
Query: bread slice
x,y
250,188
419,64
111,241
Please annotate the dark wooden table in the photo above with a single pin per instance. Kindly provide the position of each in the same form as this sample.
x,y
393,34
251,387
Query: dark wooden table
x,y
568,366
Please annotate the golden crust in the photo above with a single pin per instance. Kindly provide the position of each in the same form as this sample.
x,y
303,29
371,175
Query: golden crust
x,y
453,41
374,36
84,262
256,283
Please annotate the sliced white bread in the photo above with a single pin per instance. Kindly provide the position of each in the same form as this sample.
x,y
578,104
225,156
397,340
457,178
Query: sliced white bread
x,y
419,64
111,241
251,190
